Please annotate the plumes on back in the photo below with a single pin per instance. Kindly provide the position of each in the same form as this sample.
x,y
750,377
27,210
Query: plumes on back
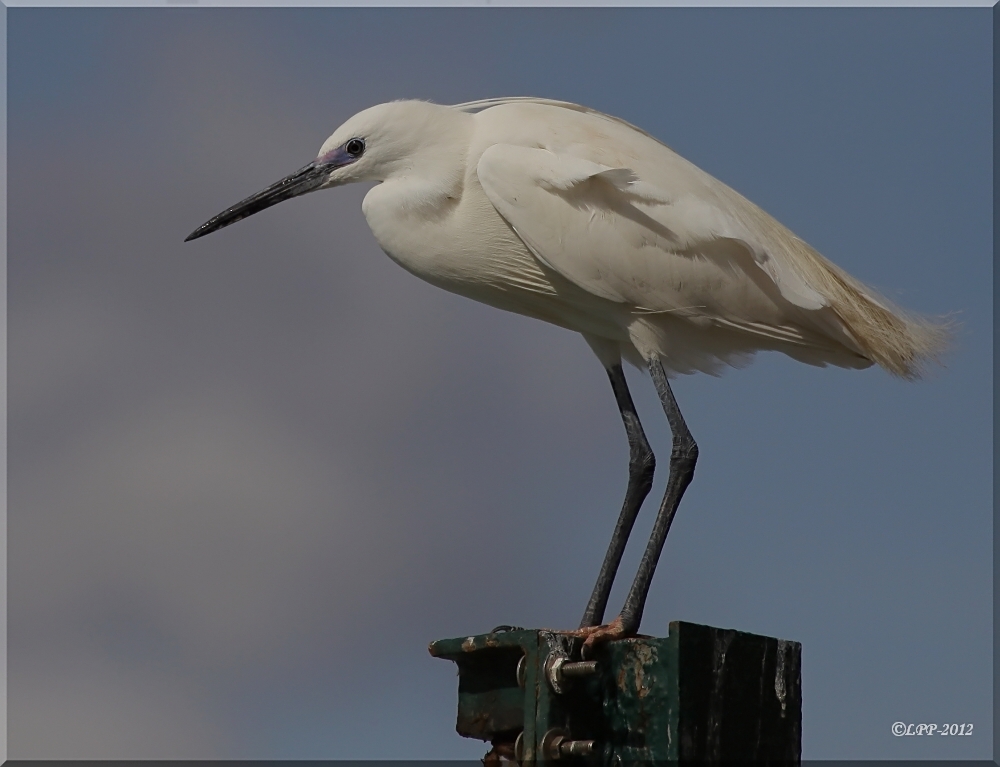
x,y
900,342
622,216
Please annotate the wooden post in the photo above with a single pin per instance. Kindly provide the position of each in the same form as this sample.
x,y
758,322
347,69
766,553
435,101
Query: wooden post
x,y
700,694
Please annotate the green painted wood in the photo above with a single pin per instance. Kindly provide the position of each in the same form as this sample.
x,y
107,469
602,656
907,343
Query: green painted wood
x,y
701,693
640,705
492,704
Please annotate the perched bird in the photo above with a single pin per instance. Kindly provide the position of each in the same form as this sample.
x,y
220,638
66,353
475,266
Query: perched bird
x,y
568,215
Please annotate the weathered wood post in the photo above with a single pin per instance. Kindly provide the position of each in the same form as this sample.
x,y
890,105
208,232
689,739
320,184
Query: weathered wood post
x,y
700,694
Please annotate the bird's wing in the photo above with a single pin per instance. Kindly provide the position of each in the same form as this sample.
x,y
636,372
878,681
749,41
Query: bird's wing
x,y
629,241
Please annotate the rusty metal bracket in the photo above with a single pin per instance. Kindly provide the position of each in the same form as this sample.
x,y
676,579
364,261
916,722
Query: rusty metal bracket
x,y
701,693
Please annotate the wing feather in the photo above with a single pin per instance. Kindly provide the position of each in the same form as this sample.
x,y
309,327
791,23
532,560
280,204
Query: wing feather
x,y
626,240
641,225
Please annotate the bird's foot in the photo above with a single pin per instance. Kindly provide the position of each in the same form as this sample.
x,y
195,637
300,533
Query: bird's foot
x,y
596,635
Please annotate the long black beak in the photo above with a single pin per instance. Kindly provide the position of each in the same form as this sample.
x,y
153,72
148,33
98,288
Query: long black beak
x,y
307,179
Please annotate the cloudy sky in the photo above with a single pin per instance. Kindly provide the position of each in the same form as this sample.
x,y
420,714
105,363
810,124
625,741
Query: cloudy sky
x,y
252,476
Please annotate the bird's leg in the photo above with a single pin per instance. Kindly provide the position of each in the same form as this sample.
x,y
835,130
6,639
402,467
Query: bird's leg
x,y
641,465
683,456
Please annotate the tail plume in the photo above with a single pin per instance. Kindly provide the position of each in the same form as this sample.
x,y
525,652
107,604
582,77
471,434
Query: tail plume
x,y
900,342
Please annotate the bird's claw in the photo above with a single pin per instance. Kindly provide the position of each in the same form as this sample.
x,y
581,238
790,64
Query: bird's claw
x,y
596,635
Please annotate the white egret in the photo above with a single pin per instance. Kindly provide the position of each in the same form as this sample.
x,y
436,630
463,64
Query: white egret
x,y
571,216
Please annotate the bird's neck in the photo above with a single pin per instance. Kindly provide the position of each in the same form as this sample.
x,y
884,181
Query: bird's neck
x,y
425,187
432,173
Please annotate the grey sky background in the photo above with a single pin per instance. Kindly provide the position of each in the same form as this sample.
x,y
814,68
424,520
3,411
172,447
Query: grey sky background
x,y
251,477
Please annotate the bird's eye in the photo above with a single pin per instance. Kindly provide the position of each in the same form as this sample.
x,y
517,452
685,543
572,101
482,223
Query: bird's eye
x,y
355,147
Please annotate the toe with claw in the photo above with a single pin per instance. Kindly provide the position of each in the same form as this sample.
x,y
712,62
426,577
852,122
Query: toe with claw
x,y
595,635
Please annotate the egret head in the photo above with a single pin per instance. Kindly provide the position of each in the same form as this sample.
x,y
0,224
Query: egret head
x,y
377,144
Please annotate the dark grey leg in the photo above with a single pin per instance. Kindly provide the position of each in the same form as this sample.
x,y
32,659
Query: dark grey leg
x,y
641,464
683,457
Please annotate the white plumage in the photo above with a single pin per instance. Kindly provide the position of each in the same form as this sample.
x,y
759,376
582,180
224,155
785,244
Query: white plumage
x,y
580,219
577,218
